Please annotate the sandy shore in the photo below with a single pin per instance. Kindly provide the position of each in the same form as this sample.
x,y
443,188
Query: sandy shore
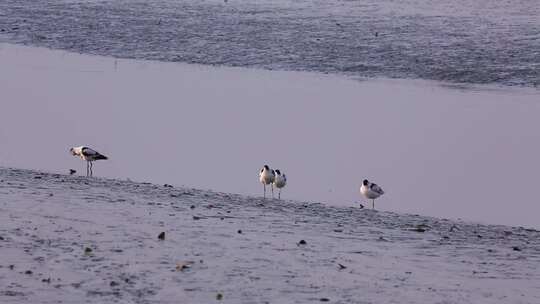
x,y
242,249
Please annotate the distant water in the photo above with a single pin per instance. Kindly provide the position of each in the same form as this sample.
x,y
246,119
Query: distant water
x,y
459,41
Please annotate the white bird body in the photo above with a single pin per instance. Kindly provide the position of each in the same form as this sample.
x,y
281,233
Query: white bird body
x,y
371,191
267,177
89,155
280,181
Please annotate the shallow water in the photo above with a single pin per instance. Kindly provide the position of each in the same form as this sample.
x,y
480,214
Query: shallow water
x,y
460,41
245,248
435,151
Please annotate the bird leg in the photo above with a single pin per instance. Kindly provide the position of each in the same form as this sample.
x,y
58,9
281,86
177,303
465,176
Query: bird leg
x,y
91,171
87,168
373,203
264,186
279,194
272,186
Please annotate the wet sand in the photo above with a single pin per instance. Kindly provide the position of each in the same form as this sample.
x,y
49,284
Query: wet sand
x,y
242,249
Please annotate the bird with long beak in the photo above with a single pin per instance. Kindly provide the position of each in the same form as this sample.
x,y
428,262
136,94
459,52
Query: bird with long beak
x,y
89,155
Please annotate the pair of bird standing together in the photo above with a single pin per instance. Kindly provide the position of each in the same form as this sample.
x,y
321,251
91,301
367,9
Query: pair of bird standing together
x,y
273,178
267,176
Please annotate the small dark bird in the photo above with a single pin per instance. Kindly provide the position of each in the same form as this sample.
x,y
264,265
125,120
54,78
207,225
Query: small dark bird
x,y
161,236
72,171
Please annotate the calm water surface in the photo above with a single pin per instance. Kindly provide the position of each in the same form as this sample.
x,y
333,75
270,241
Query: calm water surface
x,y
470,153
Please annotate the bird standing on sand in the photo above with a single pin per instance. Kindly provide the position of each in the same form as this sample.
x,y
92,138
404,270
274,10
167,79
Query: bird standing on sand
x,y
267,177
88,155
280,181
371,191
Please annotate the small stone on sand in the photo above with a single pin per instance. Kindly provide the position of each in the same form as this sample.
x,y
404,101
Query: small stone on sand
x,y
181,266
161,236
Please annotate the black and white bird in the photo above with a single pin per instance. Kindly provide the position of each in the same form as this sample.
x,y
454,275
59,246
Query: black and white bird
x,y
89,155
267,177
371,191
280,181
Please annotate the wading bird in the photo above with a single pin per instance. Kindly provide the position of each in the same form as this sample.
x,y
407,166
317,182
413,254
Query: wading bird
x,y
280,181
266,177
371,191
88,155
